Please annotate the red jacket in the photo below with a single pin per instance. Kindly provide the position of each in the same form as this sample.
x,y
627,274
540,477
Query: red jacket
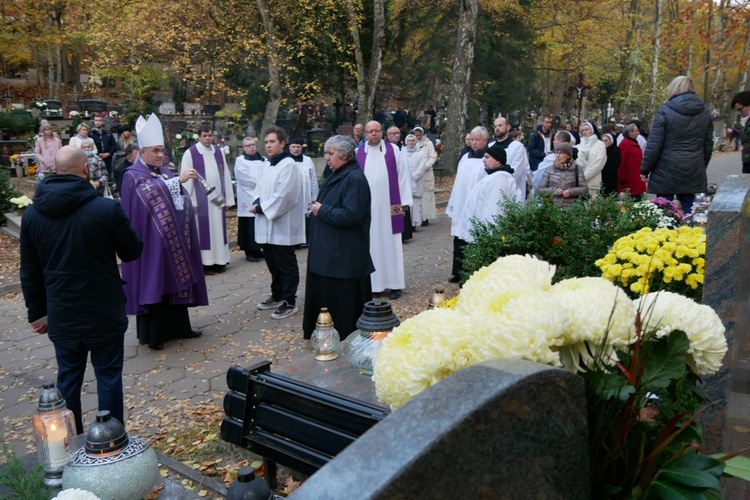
x,y
629,173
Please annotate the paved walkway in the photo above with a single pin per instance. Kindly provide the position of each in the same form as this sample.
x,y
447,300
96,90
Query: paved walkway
x,y
190,375
186,376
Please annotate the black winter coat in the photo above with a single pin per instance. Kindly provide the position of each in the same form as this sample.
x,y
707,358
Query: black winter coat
x,y
679,147
340,234
70,238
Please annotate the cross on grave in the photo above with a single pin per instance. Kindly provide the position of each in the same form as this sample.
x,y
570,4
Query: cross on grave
x,y
579,87
38,98
8,98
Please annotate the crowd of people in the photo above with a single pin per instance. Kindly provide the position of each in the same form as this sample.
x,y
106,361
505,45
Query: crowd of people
x,y
374,194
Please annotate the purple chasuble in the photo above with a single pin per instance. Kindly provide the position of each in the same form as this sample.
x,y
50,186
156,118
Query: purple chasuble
x,y
202,201
170,264
397,211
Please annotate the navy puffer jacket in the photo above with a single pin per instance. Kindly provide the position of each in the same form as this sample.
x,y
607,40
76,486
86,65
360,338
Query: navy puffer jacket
x,y
70,238
679,147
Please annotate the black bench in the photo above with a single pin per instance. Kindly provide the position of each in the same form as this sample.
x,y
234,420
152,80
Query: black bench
x,y
291,423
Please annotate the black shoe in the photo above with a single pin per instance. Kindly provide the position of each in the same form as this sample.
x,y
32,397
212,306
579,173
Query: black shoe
x,y
425,223
194,334
454,279
219,268
377,295
156,347
208,271
395,294
252,258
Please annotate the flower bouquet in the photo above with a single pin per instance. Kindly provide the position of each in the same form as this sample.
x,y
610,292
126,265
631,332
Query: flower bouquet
x,y
20,203
661,259
640,359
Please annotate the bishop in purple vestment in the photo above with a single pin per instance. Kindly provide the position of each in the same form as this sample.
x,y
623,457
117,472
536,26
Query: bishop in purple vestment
x,y
168,276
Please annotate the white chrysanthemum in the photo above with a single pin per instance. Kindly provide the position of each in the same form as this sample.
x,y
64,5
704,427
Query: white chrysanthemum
x,y
420,352
490,288
598,310
528,327
665,312
75,494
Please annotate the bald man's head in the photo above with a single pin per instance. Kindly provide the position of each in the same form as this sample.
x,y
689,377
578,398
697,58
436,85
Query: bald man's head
x,y
373,133
71,160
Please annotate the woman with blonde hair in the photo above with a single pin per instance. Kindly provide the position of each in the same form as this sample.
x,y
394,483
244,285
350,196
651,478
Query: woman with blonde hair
x,y
679,146
45,148
82,133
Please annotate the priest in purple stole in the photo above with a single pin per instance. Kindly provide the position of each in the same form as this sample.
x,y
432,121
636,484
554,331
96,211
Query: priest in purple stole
x,y
209,161
168,276
390,188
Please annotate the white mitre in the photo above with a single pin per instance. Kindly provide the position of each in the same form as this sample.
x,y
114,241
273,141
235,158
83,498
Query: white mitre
x,y
149,131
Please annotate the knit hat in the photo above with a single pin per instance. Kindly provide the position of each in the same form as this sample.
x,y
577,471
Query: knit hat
x,y
498,153
565,148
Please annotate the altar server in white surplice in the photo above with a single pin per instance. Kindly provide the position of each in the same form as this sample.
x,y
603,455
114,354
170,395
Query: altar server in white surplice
x,y
209,161
248,167
390,188
469,173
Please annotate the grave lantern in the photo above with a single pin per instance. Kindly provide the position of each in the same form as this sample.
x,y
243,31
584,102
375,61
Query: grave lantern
x,y
325,339
376,322
437,298
55,430
112,465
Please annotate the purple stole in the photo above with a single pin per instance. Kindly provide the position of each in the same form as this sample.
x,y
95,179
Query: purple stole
x,y
202,201
397,211
174,233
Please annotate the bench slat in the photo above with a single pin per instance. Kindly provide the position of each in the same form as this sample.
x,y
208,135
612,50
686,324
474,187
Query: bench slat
x,y
300,430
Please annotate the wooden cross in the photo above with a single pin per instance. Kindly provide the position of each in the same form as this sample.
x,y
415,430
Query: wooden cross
x,y
579,87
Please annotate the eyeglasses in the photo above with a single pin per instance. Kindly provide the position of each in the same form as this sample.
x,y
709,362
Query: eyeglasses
x,y
394,133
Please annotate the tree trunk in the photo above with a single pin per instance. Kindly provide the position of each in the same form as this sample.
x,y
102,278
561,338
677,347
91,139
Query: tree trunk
x,y
655,62
460,84
361,78
274,86
742,77
376,63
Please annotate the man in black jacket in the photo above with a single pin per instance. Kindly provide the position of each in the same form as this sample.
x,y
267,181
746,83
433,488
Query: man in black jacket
x,y
70,240
105,143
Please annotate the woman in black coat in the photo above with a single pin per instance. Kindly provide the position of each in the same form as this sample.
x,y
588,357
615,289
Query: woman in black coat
x,y
609,172
338,259
679,146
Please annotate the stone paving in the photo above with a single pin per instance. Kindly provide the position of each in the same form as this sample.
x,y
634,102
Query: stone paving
x,y
193,372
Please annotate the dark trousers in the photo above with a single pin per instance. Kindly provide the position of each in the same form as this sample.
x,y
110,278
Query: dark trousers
x,y
282,264
107,362
686,200
458,256
745,167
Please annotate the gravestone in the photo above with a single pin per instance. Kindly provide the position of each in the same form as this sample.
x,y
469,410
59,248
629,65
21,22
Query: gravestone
x,y
192,108
726,288
167,108
499,429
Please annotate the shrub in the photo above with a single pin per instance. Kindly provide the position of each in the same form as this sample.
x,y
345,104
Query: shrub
x,y
7,191
571,239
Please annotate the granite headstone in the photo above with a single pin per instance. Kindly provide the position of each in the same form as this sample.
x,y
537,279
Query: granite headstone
x,y
726,288
499,429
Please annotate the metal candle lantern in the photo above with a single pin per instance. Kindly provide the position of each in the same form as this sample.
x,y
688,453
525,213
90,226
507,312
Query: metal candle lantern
x,y
325,339
376,322
112,465
437,298
55,430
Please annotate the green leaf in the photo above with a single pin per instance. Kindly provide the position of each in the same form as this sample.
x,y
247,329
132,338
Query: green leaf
x,y
736,467
689,477
667,361
614,385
